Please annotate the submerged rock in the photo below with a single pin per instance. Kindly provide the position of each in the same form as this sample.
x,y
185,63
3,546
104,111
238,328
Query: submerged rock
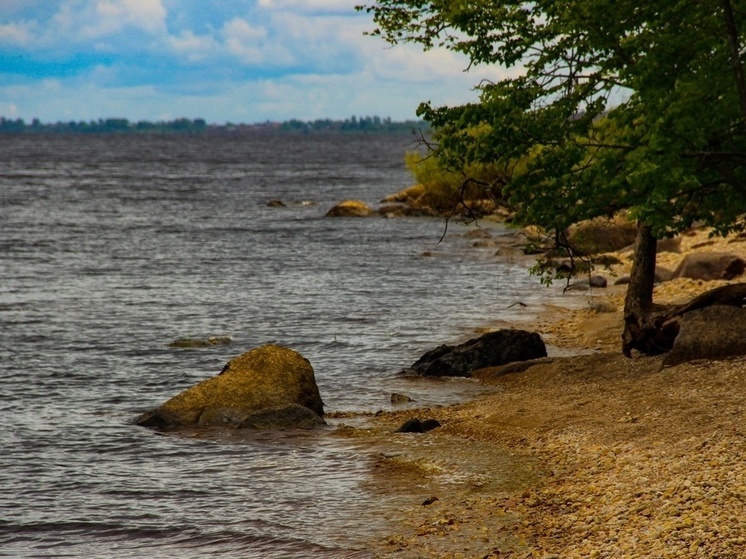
x,y
201,342
263,388
489,350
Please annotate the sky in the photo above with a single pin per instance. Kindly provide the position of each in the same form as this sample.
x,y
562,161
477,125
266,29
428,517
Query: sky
x,y
238,61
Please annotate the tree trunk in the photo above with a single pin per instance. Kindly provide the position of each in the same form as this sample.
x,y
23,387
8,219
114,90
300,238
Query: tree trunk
x,y
735,54
638,303
652,328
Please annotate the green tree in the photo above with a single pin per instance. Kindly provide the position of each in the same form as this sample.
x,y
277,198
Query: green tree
x,y
612,105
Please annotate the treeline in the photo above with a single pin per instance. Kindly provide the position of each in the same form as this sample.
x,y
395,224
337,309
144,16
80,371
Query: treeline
x,y
354,124
200,126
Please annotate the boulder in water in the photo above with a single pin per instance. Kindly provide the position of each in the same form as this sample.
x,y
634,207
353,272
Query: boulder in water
x,y
263,388
489,350
350,208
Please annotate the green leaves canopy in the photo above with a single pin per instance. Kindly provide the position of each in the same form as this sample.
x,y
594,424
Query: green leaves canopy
x,y
616,104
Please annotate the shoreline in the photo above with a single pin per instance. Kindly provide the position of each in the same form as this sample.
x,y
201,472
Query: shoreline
x,y
588,455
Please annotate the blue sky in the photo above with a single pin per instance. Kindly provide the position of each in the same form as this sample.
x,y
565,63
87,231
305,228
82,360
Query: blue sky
x,y
221,60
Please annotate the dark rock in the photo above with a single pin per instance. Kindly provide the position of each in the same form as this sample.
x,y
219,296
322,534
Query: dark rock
x,y
572,268
710,266
290,416
489,350
416,426
606,260
201,342
715,332
488,374
597,281
400,398
276,204
429,501
593,281
267,378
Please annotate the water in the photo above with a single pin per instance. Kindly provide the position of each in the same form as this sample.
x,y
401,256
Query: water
x,y
112,247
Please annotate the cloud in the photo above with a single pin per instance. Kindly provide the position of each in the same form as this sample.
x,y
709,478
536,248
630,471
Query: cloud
x,y
245,42
83,20
222,60
18,34
194,48
148,15
309,6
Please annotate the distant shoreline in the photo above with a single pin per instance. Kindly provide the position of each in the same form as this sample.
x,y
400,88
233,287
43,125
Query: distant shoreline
x,y
186,126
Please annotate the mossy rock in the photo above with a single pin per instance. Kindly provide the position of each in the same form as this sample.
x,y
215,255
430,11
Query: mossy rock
x,y
350,208
264,378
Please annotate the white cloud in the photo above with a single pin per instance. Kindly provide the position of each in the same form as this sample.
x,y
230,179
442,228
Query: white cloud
x,y
148,15
306,6
92,19
194,48
19,34
244,41
255,46
277,60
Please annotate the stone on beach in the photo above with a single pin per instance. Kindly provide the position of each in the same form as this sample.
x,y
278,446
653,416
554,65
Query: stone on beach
x,y
710,266
270,381
489,350
716,332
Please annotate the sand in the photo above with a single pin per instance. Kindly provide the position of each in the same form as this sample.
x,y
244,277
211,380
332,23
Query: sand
x,y
592,455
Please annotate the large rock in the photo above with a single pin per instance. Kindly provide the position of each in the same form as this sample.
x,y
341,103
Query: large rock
x,y
715,332
603,235
270,386
710,266
489,350
350,208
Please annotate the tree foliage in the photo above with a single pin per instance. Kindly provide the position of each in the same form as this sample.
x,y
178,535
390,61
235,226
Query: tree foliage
x,y
612,104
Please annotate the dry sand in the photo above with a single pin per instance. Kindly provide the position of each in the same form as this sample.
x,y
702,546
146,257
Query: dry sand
x,y
592,455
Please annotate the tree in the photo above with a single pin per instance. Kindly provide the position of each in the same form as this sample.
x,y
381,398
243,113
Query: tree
x,y
613,105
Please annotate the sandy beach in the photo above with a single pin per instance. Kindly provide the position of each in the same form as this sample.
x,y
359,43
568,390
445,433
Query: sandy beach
x,y
589,455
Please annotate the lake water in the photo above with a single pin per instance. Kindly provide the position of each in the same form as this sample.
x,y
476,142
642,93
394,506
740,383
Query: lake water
x,y
111,247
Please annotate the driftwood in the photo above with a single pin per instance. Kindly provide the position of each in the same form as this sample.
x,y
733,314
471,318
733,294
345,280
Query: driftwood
x,y
653,328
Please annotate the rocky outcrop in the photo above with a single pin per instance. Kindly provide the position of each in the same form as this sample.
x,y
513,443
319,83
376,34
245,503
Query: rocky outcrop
x,y
267,387
489,350
350,208
715,332
710,266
